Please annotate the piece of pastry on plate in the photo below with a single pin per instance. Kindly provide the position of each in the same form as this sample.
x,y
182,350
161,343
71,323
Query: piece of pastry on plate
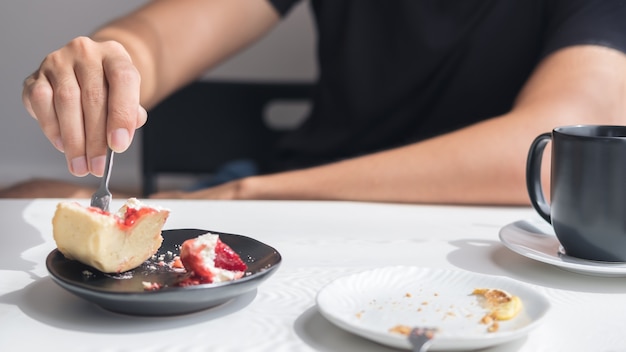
x,y
501,305
209,260
109,242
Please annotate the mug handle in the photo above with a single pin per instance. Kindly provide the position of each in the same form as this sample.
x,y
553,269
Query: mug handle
x,y
533,176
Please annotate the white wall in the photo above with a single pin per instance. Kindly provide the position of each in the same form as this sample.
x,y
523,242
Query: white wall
x,y
30,29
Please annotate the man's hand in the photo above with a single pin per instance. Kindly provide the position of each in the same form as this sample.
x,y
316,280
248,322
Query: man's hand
x,y
85,96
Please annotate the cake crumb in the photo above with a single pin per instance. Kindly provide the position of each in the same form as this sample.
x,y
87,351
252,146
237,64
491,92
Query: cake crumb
x,y
150,286
401,329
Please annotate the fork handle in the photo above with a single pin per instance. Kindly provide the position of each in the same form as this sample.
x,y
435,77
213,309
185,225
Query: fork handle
x,y
107,168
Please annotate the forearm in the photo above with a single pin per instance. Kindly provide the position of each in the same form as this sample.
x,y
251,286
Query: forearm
x,y
170,50
142,44
454,168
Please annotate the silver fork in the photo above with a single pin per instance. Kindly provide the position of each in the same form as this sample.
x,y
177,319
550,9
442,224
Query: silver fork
x,y
102,196
421,338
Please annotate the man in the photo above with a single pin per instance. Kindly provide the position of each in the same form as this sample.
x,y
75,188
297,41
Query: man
x,y
430,101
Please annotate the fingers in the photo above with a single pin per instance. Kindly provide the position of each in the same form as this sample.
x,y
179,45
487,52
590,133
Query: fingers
x,y
85,96
37,98
142,116
123,104
68,112
93,100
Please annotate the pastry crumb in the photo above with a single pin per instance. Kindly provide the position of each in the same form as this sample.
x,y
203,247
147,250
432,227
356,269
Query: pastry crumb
x,y
501,305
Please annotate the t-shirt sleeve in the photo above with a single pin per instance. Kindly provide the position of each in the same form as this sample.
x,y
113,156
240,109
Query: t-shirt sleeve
x,y
283,6
580,22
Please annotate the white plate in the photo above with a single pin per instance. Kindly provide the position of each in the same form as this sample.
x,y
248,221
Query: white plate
x,y
536,240
370,303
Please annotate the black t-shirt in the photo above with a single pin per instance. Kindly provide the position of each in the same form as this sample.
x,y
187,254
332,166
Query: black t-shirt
x,y
396,72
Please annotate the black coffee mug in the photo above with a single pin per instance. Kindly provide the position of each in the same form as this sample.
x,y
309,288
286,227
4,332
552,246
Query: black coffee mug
x,y
587,206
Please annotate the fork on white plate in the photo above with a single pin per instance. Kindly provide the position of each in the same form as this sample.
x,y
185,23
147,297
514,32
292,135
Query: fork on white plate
x,y
421,338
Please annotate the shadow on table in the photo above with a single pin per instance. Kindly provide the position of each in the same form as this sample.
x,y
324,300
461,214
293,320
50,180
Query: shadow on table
x,y
23,237
493,258
46,302
322,335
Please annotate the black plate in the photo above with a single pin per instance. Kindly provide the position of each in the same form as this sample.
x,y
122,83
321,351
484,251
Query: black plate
x,y
124,293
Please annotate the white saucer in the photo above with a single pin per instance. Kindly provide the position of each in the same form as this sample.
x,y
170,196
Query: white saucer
x,y
536,240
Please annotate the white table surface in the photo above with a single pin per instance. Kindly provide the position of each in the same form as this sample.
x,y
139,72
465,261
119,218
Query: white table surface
x,y
319,241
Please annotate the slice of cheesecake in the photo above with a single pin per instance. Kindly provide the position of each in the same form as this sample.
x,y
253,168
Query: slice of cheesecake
x,y
109,242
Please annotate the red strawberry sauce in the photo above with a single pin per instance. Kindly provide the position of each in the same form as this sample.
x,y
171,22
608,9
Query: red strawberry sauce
x,y
131,216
